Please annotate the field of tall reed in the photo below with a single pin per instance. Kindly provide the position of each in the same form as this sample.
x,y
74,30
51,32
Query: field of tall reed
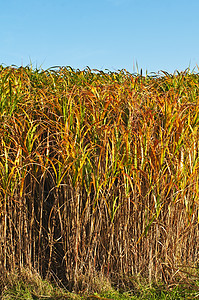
x,y
99,174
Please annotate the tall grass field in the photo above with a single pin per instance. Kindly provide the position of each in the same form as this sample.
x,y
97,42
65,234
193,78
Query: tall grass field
x,y
99,175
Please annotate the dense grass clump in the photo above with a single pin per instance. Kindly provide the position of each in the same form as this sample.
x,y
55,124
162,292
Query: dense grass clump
x,y
99,175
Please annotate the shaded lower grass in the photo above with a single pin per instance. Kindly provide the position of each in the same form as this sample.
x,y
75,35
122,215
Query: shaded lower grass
x,y
28,285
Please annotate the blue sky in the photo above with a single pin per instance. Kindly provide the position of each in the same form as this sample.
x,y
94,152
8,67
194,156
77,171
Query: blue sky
x,y
101,34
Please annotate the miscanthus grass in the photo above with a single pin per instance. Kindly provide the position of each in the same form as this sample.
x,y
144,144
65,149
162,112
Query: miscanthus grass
x,y
99,175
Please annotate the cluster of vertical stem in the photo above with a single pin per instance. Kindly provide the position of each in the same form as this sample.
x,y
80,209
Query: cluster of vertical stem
x,y
99,173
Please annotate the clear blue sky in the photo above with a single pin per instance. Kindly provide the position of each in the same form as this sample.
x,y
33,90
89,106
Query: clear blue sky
x,y
101,34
